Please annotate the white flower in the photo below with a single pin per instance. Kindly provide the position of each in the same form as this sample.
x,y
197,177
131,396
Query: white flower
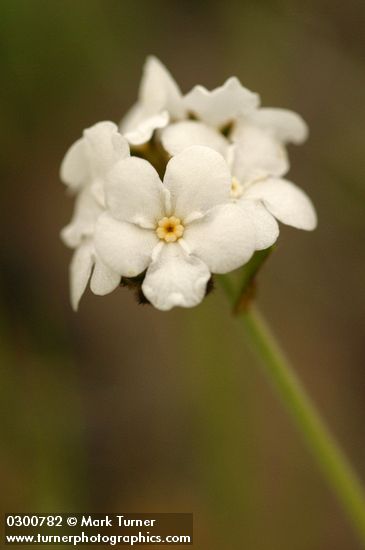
x,y
213,110
260,139
180,231
83,170
258,158
252,181
223,105
159,101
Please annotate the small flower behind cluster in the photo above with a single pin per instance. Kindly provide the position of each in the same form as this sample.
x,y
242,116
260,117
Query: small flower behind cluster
x,y
187,186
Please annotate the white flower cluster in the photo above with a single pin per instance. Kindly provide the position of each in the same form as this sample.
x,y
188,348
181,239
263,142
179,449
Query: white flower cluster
x,y
187,186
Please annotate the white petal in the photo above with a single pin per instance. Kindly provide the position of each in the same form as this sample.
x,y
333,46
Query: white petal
x,y
143,131
93,154
287,126
224,239
159,100
87,210
159,91
103,280
123,246
257,154
104,146
177,137
222,105
80,270
175,279
75,169
198,179
266,227
135,193
287,202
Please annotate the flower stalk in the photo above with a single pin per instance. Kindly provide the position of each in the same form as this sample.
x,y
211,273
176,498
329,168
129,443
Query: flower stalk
x,y
334,465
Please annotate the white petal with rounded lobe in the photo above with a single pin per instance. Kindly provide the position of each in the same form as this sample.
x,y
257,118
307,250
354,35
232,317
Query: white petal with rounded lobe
x,y
80,270
257,154
287,126
287,202
123,246
104,146
75,169
175,278
159,91
103,279
143,131
135,193
87,210
222,105
265,225
71,235
198,178
224,239
177,137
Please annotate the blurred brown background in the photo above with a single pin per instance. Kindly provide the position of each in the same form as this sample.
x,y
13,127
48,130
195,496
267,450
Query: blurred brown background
x,y
121,408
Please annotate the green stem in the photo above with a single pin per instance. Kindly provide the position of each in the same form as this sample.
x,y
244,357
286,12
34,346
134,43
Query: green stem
x,y
333,463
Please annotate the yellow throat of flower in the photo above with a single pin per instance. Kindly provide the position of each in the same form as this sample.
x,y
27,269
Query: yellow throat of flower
x,y
169,229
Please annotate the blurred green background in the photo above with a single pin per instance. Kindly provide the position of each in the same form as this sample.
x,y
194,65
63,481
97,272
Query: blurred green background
x,y
121,408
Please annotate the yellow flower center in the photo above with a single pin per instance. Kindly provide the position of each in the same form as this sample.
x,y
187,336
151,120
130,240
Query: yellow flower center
x,y
169,229
236,188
